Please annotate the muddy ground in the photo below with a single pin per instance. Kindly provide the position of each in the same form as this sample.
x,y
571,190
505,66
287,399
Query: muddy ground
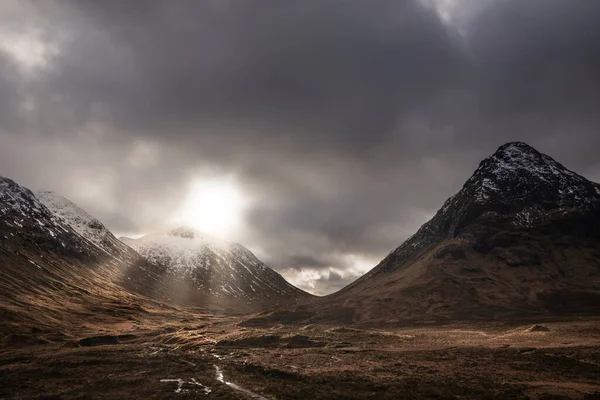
x,y
186,356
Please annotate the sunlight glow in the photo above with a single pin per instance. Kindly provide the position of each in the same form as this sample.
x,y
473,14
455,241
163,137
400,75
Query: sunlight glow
x,y
214,207
29,50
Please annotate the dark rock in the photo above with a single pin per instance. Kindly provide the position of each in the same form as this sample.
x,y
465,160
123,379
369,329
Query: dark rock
x,y
503,239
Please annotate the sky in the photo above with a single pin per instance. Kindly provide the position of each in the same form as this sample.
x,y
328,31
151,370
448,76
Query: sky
x,y
320,134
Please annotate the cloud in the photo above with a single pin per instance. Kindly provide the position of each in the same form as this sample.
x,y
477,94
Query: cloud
x,y
347,124
321,282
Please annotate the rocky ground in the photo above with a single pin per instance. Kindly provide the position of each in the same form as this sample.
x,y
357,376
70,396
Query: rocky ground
x,y
204,356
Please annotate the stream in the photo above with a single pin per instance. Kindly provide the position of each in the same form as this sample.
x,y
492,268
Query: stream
x,y
219,376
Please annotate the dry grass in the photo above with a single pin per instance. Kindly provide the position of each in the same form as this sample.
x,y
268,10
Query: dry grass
x,y
458,361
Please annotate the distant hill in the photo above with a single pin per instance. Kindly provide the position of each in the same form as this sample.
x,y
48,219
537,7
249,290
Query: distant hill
x,y
225,270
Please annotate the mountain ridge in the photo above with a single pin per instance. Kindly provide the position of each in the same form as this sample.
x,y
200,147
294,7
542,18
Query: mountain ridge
x,y
83,223
176,285
486,186
521,237
221,267
53,278
61,267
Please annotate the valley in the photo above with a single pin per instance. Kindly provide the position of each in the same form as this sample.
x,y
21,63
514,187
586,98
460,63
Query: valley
x,y
497,296
300,200
175,354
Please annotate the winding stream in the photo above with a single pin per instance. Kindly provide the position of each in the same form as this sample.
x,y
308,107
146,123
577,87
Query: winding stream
x,y
219,376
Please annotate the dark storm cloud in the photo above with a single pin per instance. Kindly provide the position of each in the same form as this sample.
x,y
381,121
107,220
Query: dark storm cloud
x,y
539,75
347,122
336,73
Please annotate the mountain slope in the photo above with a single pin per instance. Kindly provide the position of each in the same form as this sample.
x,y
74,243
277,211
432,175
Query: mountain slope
x,y
50,275
233,280
225,270
60,267
517,188
522,237
81,222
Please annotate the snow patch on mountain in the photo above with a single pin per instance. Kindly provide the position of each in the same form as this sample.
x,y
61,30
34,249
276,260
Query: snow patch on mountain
x,y
517,170
26,216
80,221
517,185
224,269
17,198
18,204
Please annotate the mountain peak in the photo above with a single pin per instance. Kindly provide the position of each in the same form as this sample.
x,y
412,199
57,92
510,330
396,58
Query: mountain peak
x,y
514,156
82,222
515,191
517,147
213,266
518,180
519,174
14,193
185,232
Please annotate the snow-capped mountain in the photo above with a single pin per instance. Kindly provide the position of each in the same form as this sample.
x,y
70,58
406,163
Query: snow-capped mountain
x,y
522,237
52,274
24,216
519,180
55,258
516,187
53,224
81,222
518,174
225,270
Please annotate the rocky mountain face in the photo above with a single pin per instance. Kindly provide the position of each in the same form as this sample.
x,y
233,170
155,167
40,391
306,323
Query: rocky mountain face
x,y
81,222
522,237
52,274
51,224
517,188
225,270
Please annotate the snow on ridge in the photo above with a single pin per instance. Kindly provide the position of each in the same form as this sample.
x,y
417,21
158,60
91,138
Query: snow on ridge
x,y
222,267
81,222
18,197
517,169
66,209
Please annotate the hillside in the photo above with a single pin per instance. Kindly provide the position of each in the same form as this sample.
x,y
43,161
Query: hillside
x,y
60,267
52,277
225,270
521,238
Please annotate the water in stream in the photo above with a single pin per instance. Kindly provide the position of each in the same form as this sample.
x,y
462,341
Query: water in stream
x,y
219,376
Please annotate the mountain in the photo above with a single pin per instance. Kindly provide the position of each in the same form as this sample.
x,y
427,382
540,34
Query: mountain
x,y
522,237
225,270
188,267
82,223
59,266
52,274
